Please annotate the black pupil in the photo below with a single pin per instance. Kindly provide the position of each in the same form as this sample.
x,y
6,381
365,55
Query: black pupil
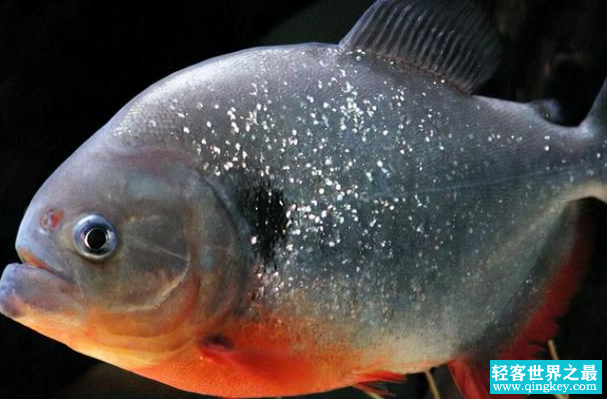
x,y
96,238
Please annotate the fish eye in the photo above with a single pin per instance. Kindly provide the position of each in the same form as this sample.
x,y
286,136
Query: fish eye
x,y
95,238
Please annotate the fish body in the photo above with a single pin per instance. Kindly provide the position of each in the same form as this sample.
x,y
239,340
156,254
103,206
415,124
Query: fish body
x,y
301,218
365,160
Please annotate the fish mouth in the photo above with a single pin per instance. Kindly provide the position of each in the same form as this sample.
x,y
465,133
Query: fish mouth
x,y
29,259
34,286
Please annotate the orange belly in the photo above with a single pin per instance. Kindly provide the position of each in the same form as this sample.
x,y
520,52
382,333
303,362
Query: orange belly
x,y
261,359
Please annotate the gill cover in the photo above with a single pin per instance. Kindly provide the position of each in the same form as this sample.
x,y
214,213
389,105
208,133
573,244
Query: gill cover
x,y
176,246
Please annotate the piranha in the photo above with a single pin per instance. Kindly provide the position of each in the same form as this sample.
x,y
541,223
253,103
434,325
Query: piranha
x,y
296,219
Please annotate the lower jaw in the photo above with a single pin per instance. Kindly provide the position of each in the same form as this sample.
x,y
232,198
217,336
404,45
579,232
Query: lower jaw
x,y
10,306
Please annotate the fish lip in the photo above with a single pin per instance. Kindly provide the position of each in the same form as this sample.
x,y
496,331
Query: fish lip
x,y
30,290
29,259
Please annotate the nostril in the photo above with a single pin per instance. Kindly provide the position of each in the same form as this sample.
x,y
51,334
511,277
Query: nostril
x,y
50,220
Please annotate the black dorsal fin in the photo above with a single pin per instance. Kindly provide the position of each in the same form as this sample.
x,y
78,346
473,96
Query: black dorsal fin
x,y
453,39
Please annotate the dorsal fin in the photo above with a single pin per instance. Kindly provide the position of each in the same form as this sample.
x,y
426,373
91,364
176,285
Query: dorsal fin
x,y
453,39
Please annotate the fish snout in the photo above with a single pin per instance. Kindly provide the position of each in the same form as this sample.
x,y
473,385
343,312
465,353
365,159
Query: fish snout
x,y
38,237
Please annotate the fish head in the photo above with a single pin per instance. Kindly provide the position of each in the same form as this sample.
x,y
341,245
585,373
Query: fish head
x,y
125,253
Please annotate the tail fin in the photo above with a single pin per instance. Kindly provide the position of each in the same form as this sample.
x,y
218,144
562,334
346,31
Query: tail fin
x,y
597,117
595,125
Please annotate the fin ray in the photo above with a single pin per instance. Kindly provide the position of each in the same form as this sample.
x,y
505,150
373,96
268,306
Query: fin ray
x,y
451,39
373,382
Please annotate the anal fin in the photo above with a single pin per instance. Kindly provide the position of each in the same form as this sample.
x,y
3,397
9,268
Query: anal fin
x,y
471,371
472,378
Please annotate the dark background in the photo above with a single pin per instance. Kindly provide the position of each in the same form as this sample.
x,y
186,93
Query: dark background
x,y
66,66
